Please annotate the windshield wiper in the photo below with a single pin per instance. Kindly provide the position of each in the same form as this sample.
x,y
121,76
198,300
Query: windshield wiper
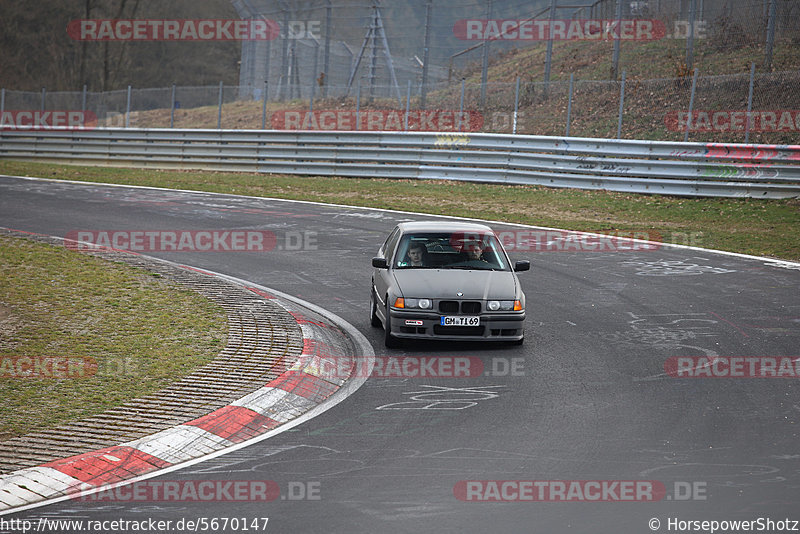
x,y
471,268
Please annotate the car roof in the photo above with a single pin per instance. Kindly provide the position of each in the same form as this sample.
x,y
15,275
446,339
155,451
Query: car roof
x,y
442,226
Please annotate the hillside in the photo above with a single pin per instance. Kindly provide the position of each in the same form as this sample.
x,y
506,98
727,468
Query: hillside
x,y
657,83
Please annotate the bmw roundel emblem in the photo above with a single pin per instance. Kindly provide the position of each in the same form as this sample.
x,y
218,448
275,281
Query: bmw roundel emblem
x,y
460,294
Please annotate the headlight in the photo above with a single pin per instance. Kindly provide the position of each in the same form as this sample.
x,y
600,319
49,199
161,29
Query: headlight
x,y
418,303
493,305
508,305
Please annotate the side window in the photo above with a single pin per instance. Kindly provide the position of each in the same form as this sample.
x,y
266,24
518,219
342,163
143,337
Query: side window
x,y
389,243
402,251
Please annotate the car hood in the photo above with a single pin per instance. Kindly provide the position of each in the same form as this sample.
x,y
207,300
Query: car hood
x,y
446,283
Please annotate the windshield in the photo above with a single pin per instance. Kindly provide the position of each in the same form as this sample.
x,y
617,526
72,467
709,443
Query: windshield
x,y
450,250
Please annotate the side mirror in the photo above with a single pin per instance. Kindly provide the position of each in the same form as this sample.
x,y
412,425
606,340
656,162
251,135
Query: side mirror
x,y
522,265
379,263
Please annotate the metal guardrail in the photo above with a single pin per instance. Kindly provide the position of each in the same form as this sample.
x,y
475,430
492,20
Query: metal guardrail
x,y
690,169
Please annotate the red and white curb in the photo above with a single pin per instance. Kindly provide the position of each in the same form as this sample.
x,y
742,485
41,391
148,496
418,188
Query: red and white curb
x,y
299,393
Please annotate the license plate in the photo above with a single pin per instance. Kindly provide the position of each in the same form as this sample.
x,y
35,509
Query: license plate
x,y
459,320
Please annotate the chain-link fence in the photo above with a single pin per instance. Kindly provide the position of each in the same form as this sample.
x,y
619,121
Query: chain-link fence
x,y
753,107
688,31
703,70
351,40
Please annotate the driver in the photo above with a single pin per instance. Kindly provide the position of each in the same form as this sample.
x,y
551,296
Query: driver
x,y
416,254
474,251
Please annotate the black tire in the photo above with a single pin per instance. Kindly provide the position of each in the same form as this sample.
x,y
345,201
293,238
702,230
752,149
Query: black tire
x,y
374,320
389,340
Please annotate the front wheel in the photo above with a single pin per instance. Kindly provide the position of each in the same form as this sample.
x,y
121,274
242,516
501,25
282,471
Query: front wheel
x,y
374,320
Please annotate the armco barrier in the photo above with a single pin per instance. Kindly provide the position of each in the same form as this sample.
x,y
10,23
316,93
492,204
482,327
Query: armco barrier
x,y
692,169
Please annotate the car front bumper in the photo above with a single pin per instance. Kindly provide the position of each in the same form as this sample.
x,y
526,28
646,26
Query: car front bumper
x,y
419,324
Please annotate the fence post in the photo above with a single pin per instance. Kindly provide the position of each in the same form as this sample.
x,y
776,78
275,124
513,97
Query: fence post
x,y
314,80
691,107
549,54
2,105
44,93
264,106
327,53
615,56
621,105
485,58
219,108
690,36
358,104
426,54
516,107
172,109
284,79
83,99
569,102
408,100
461,105
128,109
749,103
770,35
313,91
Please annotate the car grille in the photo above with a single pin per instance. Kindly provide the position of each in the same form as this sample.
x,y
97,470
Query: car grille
x,y
506,332
453,306
470,307
448,306
413,330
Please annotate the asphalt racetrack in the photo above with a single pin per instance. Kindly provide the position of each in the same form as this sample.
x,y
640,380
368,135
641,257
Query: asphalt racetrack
x,y
587,427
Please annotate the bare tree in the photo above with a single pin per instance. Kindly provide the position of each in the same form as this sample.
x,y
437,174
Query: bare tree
x,y
87,13
110,77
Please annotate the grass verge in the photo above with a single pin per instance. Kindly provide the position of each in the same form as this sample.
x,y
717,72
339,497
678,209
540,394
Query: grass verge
x,y
97,333
760,227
